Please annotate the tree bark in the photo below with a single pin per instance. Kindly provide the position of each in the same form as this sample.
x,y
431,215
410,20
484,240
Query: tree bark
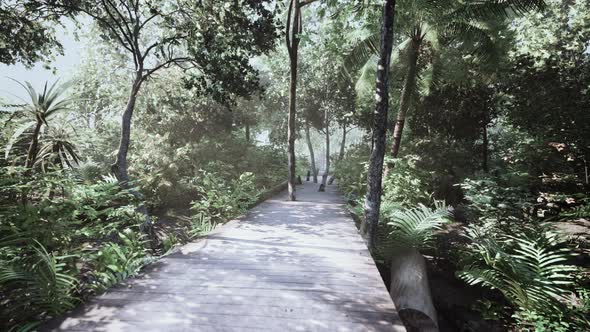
x,y
34,146
327,169
375,171
120,168
343,143
485,149
311,154
406,97
293,29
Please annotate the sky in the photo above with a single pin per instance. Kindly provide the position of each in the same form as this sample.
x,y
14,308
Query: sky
x,y
37,75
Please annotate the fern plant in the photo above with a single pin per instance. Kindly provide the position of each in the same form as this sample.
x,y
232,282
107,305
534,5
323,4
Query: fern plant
x,y
116,262
36,285
409,228
529,270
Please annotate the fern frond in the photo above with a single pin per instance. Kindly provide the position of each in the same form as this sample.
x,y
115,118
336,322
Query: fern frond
x,y
529,269
410,228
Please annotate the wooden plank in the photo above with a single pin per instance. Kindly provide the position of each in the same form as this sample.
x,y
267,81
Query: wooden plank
x,y
286,266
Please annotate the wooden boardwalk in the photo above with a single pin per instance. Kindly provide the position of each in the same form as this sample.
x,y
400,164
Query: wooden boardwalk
x,y
285,266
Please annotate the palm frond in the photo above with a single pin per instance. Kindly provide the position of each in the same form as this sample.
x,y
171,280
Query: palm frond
x,y
489,9
16,135
475,33
360,54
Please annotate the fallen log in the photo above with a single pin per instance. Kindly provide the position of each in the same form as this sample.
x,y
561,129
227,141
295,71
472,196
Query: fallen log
x,y
410,291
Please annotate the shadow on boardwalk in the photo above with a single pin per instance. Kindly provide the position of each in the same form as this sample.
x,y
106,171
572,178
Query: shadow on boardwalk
x,y
285,266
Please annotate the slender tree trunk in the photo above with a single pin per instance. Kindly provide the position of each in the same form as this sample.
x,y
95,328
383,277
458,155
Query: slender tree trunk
x,y
485,149
343,143
311,154
292,45
406,97
120,168
34,146
327,168
586,176
375,171
247,133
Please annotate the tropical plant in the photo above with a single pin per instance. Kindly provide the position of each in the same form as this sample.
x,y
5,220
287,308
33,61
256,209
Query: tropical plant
x,y
200,225
220,200
427,25
35,284
36,113
57,150
115,262
530,269
407,186
415,227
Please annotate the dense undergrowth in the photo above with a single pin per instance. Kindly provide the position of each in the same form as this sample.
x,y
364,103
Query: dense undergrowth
x,y
67,234
509,223
487,177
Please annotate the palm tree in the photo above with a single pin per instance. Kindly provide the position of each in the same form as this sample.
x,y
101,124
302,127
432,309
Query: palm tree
x,y
428,25
41,107
375,171
58,149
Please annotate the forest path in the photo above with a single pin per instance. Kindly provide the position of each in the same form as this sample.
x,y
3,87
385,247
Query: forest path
x,y
285,266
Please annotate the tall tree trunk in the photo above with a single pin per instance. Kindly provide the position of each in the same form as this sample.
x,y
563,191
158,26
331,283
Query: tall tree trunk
x,y
343,143
406,97
485,149
311,154
120,168
375,171
327,169
247,132
34,146
293,30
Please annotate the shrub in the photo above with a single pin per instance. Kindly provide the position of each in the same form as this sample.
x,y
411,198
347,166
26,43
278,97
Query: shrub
x,y
351,172
406,183
409,228
530,270
499,200
35,284
221,199
114,262
45,220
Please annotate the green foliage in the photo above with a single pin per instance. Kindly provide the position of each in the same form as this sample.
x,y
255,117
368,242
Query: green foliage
x,y
56,148
34,283
25,34
501,200
200,225
351,172
58,211
43,215
115,262
414,228
167,176
407,184
220,200
530,270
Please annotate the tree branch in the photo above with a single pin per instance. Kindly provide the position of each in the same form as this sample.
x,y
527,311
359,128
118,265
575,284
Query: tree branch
x,y
288,30
306,2
165,64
